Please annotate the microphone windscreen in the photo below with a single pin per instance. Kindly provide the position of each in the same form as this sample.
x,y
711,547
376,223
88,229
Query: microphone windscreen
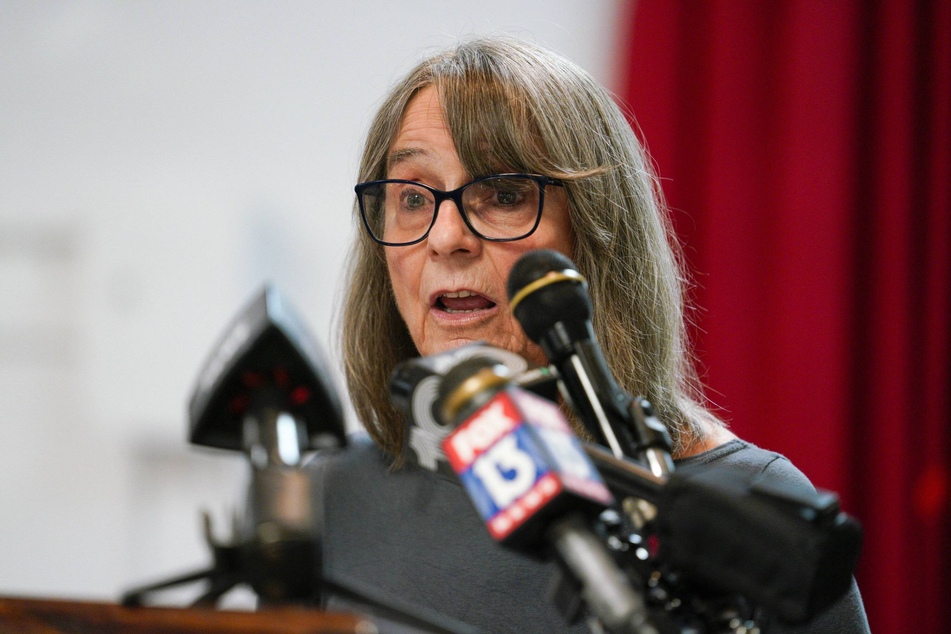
x,y
544,288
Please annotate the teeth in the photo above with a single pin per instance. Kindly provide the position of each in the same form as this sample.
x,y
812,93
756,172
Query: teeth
x,y
457,295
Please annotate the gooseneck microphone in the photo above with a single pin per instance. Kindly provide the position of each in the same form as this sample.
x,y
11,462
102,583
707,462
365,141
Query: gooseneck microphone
x,y
264,391
533,485
549,298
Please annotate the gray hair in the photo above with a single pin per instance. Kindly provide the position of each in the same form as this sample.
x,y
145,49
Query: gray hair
x,y
515,107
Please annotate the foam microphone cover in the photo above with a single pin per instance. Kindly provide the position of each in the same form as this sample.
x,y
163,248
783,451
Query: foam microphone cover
x,y
564,299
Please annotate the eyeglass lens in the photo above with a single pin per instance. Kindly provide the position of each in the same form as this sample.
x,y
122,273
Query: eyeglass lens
x,y
504,207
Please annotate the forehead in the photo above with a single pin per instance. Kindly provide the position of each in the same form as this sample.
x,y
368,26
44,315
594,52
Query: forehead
x,y
422,133
474,121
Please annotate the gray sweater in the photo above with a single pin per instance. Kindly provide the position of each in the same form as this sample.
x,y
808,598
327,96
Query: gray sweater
x,y
412,536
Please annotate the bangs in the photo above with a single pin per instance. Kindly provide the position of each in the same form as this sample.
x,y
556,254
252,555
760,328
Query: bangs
x,y
492,125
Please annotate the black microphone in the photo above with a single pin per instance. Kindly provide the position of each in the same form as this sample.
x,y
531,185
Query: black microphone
x,y
532,483
549,298
265,391
784,548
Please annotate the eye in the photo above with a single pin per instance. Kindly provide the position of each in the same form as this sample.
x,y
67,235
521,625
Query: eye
x,y
506,197
498,193
413,199
506,192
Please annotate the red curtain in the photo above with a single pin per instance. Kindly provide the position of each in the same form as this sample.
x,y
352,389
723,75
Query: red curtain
x,y
805,148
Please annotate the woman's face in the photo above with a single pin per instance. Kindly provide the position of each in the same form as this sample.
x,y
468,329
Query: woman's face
x,y
450,288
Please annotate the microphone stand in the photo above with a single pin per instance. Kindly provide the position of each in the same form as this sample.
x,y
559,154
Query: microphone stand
x,y
222,576
276,550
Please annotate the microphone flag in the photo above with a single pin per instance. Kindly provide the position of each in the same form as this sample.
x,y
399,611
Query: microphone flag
x,y
522,466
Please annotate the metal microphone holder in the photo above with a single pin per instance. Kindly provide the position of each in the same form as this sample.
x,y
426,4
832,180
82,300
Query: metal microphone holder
x,y
273,548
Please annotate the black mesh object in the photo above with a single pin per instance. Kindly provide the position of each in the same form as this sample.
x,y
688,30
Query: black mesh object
x,y
546,288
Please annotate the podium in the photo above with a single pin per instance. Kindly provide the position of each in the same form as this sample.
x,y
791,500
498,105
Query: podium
x,y
46,616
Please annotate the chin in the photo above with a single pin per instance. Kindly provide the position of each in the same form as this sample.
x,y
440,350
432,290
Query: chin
x,y
519,345
526,349
447,345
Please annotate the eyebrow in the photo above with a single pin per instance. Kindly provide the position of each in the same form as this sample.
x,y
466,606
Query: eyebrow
x,y
401,155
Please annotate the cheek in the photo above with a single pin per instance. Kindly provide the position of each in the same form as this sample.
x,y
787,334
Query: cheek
x,y
405,280
555,231
564,244
558,238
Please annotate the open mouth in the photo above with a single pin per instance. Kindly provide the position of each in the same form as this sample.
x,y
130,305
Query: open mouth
x,y
462,302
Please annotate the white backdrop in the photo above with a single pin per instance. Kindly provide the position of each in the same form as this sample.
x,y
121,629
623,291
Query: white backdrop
x,y
158,162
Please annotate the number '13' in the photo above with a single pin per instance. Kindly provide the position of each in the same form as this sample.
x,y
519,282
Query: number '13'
x,y
506,471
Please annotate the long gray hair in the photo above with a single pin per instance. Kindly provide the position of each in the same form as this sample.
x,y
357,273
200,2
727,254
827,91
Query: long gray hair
x,y
515,107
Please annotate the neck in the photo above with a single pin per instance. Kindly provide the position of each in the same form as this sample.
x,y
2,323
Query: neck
x,y
713,435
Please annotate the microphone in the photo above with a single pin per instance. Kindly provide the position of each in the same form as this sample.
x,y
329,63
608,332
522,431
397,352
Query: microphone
x,y
728,535
532,483
414,389
791,551
549,298
265,391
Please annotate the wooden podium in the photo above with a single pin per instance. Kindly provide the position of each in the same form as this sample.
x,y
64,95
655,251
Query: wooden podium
x,y
44,616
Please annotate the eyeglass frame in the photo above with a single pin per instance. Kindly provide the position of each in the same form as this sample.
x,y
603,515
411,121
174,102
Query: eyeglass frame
x,y
455,196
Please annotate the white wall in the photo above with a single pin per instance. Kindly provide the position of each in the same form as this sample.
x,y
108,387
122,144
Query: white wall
x,y
158,162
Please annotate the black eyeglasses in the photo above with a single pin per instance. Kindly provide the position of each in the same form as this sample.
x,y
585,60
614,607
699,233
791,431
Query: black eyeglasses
x,y
499,208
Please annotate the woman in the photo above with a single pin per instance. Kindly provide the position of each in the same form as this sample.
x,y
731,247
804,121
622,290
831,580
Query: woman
x,y
431,276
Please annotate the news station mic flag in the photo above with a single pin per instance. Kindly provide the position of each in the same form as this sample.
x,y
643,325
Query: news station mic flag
x,y
534,486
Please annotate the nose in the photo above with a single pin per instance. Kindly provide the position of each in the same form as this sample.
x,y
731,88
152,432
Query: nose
x,y
450,234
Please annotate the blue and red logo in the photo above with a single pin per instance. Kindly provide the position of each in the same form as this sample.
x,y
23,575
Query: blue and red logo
x,y
515,455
